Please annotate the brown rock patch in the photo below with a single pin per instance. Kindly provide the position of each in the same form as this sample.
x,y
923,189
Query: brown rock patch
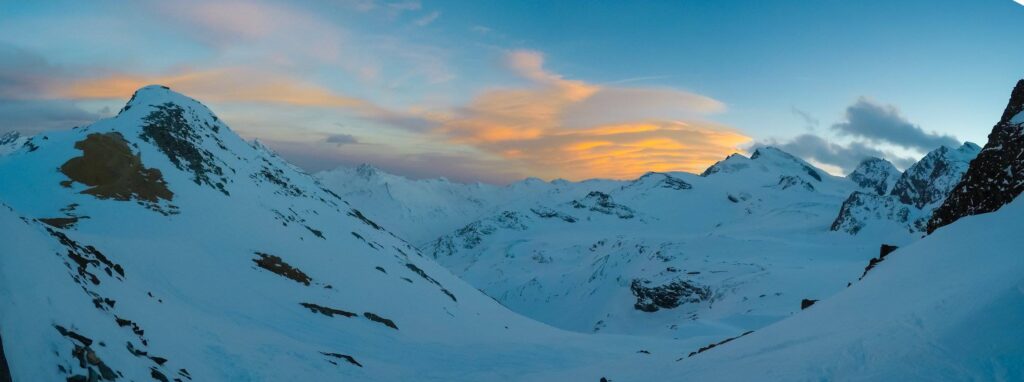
x,y
275,264
108,165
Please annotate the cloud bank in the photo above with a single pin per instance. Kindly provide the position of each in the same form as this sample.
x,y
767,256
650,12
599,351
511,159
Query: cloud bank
x,y
556,127
884,124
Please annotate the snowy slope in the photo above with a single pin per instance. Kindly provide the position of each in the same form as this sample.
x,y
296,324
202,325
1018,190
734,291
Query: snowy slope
x,y
159,245
942,308
669,255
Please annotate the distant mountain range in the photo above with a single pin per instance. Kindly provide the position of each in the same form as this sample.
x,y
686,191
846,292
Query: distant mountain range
x,y
158,245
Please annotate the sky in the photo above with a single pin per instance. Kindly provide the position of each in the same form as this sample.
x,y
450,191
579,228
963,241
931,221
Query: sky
x,y
496,91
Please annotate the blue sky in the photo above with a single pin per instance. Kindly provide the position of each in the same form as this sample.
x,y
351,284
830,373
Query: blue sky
x,y
494,91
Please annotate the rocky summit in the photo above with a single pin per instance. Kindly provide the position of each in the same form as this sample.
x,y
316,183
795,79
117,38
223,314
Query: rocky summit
x,y
996,176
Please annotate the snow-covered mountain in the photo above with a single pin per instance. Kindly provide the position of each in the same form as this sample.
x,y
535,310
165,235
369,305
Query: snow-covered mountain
x,y
10,142
668,254
422,210
875,174
912,197
158,245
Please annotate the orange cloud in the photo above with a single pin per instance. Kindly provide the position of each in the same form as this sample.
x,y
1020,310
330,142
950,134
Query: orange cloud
x,y
622,151
572,129
238,85
215,85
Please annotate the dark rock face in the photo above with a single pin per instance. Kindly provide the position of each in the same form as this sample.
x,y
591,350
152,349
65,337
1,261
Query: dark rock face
x,y
168,128
667,296
712,346
598,201
788,181
932,178
5,371
996,176
376,318
875,174
345,357
9,137
731,163
883,251
275,264
861,207
806,303
327,311
914,195
652,180
547,213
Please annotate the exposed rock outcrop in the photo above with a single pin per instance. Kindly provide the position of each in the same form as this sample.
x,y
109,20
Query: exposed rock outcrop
x,y
875,174
667,296
112,171
914,195
861,208
598,201
932,178
996,176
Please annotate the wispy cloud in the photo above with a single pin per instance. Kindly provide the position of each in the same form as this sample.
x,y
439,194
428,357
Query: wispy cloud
x,y
810,122
429,18
341,139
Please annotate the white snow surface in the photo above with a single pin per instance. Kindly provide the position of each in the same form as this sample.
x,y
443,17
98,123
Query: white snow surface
x,y
561,256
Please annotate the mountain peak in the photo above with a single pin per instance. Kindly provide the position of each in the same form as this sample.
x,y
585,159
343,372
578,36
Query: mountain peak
x,y
969,147
876,174
151,96
366,170
932,178
996,176
768,151
1016,104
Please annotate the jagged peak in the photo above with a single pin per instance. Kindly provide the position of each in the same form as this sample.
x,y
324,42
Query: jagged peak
x,y
768,151
874,173
9,137
873,165
724,163
366,170
966,151
156,96
260,146
1015,106
772,153
872,160
969,147
658,180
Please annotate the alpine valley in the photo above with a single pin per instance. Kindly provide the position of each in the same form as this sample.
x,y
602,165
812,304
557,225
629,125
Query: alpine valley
x,y
159,245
